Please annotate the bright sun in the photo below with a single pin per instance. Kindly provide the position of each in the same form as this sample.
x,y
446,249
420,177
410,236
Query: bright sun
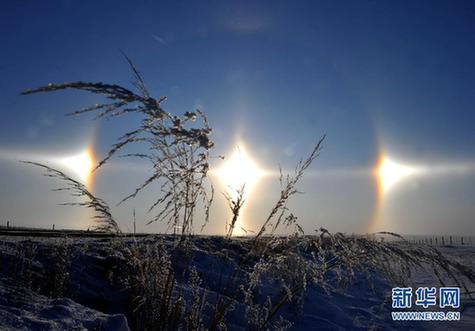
x,y
390,173
81,164
239,170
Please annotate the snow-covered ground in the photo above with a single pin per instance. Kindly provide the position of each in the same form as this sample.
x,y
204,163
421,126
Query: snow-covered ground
x,y
22,309
94,300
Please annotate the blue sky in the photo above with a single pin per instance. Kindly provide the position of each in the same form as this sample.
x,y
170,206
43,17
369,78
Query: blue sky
x,y
391,76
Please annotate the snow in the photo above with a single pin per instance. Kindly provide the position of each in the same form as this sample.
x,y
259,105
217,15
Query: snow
x,y
22,309
94,300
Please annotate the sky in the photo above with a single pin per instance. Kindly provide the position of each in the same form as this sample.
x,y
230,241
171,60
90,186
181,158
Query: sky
x,y
379,78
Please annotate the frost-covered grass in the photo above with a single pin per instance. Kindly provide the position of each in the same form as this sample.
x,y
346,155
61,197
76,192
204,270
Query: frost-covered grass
x,y
298,283
262,282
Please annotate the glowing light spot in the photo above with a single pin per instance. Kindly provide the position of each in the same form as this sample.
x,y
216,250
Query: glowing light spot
x,y
240,170
390,173
81,164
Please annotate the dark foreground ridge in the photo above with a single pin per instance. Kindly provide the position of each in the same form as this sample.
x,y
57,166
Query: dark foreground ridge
x,y
151,283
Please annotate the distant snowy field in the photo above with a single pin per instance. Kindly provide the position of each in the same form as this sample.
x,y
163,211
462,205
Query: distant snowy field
x,y
92,301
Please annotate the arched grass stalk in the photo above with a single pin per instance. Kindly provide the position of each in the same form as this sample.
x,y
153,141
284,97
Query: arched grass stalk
x,y
177,146
103,218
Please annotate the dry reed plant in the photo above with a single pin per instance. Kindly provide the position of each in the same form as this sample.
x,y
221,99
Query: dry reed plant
x,y
178,151
330,261
104,219
268,273
235,205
